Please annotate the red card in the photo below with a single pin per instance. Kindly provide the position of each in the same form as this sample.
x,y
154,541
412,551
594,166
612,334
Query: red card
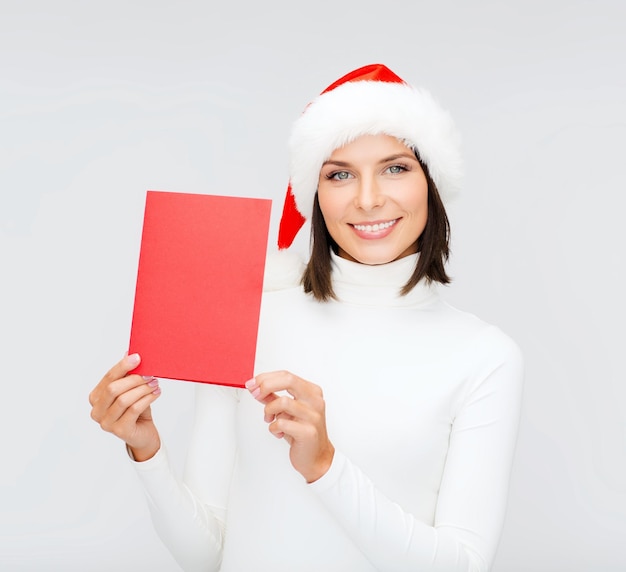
x,y
199,284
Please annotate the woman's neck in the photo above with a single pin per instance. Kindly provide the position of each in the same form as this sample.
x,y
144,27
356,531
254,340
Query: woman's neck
x,y
379,285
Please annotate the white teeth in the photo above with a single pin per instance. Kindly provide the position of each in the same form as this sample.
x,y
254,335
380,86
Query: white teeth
x,y
375,227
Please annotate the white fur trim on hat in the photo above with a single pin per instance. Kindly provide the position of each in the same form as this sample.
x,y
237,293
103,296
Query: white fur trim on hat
x,y
357,108
283,269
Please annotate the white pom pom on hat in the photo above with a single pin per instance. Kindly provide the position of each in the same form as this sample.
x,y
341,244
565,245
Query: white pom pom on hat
x,y
367,101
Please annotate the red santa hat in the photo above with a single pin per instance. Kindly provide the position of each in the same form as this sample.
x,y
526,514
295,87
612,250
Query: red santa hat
x,y
368,101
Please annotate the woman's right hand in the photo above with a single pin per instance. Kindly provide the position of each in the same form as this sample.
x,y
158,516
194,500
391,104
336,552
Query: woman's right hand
x,y
120,404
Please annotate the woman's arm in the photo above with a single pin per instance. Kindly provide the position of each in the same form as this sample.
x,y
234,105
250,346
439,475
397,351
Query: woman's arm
x,y
473,492
189,516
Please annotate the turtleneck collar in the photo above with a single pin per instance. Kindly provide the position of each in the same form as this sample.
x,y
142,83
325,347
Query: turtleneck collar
x,y
380,285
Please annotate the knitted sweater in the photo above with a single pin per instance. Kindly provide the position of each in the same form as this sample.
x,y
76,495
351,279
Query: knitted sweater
x,y
422,406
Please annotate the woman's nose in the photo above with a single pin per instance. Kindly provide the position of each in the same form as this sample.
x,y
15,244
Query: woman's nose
x,y
368,195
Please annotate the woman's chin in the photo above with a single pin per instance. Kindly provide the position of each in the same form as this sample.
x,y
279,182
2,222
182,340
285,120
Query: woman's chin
x,y
374,258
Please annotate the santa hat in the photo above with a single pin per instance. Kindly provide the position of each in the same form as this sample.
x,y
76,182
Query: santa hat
x,y
367,101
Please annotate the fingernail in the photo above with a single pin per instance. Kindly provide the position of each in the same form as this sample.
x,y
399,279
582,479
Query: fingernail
x,y
268,418
256,392
250,383
133,359
157,391
154,382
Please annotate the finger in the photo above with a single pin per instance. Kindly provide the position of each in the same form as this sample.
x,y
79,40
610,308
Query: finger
x,y
292,408
122,367
268,399
136,409
119,371
104,395
127,427
127,400
292,430
255,391
269,417
121,418
276,381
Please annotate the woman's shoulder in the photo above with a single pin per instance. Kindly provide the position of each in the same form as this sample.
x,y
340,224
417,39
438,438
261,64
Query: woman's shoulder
x,y
479,334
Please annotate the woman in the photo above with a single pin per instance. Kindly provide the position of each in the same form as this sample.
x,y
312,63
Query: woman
x,y
392,417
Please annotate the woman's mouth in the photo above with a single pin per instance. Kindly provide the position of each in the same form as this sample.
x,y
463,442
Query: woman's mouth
x,y
374,229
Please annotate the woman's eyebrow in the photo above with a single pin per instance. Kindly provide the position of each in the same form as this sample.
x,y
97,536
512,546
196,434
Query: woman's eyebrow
x,y
336,163
393,157
398,156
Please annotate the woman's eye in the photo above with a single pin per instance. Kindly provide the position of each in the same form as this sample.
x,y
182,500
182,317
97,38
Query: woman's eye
x,y
340,175
395,169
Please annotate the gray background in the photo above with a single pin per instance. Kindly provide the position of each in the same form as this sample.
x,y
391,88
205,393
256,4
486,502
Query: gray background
x,y
100,101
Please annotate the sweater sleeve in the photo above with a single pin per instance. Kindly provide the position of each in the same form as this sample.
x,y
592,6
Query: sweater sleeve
x,y
189,515
474,487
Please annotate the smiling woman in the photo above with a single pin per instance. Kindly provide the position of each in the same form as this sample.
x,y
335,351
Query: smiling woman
x,y
397,177
373,195
379,430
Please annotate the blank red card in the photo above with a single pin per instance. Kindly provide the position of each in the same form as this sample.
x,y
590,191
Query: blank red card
x,y
199,285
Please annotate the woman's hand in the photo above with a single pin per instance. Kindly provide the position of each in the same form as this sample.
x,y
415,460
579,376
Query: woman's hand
x,y
300,419
121,405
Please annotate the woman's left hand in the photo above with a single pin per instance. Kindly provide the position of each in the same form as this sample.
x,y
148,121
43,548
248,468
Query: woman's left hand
x,y
299,418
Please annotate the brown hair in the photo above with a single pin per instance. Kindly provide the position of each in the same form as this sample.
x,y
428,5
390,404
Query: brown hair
x,y
432,244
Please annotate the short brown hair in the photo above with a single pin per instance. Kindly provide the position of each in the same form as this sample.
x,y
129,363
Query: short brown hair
x,y
433,245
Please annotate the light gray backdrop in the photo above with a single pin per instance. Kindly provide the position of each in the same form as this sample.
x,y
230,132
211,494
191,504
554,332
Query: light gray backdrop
x,y
100,101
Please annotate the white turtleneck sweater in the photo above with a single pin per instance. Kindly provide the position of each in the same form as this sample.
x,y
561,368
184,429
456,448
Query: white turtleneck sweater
x,y
422,406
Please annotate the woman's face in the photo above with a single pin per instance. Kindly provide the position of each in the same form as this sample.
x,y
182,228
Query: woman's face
x,y
373,195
